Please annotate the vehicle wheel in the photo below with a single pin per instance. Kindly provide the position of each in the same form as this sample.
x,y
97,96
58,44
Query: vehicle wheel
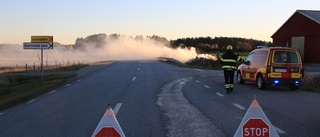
x,y
294,87
239,78
260,83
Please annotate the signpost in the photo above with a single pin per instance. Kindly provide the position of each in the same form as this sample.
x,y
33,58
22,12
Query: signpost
x,y
29,45
41,39
39,42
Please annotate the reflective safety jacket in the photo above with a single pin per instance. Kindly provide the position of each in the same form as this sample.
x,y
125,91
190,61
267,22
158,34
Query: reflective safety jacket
x,y
229,60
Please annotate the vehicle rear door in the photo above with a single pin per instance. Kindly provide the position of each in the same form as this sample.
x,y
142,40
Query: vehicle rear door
x,y
286,64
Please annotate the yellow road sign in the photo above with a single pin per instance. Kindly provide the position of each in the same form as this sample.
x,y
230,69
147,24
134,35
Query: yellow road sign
x,y
42,39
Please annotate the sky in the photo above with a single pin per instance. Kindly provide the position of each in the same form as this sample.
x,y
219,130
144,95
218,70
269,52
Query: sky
x,y
67,20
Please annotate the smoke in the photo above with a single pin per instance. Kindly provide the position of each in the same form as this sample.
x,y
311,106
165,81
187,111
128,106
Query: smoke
x,y
120,48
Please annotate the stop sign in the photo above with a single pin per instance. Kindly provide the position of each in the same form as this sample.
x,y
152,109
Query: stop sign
x,y
255,127
108,132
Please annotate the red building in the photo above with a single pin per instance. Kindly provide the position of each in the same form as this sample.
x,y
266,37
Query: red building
x,y
301,31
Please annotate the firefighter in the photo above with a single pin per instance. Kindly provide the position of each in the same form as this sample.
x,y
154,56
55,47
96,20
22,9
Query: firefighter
x,y
228,61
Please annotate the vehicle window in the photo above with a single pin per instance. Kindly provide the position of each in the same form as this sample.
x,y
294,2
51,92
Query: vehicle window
x,y
249,58
285,57
260,57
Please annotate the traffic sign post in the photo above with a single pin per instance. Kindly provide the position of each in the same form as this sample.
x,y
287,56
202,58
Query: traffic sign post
x,y
39,42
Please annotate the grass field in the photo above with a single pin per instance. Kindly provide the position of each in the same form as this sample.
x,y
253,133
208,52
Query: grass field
x,y
18,89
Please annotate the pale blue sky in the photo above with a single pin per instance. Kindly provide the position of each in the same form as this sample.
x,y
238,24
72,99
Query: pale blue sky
x,y
67,20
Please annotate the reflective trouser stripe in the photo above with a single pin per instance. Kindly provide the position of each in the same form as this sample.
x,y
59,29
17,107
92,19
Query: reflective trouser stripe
x,y
231,85
228,85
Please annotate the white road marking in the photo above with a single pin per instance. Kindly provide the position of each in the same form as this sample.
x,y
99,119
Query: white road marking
x,y
239,106
134,78
79,80
219,94
1,113
67,85
31,101
117,108
52,91
206,86
138,69
198,70
279,130
198,81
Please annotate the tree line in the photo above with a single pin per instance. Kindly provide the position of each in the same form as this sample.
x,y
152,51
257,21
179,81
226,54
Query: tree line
x,y
208,44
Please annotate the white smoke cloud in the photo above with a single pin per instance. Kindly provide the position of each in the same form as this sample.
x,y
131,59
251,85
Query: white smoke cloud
x,y
122,48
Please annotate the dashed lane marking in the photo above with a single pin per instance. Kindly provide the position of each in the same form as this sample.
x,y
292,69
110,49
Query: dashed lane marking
x,y
1,113
79,80
200,70
219,94
239,106
31,101
67,85
134,78
138,69
198,81
206,86
52,91
117,108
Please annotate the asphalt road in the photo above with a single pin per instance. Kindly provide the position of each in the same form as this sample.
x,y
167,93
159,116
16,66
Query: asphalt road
x,y
158,99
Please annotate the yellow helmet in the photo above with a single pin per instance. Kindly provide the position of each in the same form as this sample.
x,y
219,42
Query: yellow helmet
x,y
229,47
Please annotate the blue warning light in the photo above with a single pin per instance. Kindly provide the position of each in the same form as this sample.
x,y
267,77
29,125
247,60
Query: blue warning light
x,y
297,82
276,81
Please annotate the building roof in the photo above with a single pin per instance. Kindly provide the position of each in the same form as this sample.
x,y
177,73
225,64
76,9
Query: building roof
x,y
311,14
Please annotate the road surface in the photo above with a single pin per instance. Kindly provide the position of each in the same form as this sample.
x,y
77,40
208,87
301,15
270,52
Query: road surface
x,y
159,99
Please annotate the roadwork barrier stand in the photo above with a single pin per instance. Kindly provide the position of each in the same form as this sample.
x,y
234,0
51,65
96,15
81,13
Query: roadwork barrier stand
x,y
108,126
255,123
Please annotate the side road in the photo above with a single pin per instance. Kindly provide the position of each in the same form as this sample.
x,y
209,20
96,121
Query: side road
x,y
90,69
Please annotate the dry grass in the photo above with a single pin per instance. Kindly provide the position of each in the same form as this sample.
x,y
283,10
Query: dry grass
x,y
311,83
17,89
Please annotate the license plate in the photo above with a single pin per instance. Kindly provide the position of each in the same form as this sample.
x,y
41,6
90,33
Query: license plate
x,y
280,70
